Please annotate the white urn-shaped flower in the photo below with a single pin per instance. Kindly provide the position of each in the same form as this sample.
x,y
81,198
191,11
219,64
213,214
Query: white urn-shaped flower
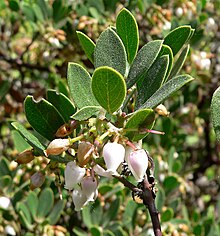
x,y
73,175
113,154
138,162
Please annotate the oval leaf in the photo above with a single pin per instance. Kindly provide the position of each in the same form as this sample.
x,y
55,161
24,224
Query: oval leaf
x,y
109,88
179,62
24,213
29,137
166,90
178,37
79,82
110,51
127,29
139,120
87,44
32,203
143,61
62,104
86,112
153,80
46,201
56,212
166,50
215,113
43,117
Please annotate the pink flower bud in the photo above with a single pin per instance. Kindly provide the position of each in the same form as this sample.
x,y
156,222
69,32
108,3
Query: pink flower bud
x,y
89,187
114,154
37,179
57,146
138,163
102,172
79,199
73,175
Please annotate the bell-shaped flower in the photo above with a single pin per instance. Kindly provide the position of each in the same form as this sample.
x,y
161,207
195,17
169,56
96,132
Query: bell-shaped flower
x,y
84,152
57,146
79,199
138,162
113,154
73,175
89,186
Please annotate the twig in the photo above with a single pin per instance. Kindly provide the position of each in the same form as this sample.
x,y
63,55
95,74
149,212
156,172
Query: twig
x,y
148,200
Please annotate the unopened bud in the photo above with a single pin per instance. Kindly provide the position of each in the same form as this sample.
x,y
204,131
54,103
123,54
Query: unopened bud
x,y
84,153
25,157
63,131
57,146
161,110
37,179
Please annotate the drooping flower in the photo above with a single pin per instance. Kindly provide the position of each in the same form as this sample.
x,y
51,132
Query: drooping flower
x,y
138,162
113,154
57,146
102,172
73,174
79,199
89,187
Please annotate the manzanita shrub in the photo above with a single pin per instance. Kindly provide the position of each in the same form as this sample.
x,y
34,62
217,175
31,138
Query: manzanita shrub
x,y
98,130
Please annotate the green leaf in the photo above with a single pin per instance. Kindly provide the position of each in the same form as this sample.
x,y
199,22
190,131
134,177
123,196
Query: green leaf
x,y
79,82
87,44
6,183
127,29
178,37
167,215
109,88
13,4
32,203
166,90
43,117
111,213
170,183
110,51
140,119
143,61
152,81
179,62
4,87
25,215
86,112
54,215
46,201
215,112
4,167
129,215
19,143
38,12
166,50
95,231
62,103
160,198
29,137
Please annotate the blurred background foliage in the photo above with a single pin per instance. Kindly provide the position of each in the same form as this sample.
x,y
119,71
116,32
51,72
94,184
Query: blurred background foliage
x,y
37,40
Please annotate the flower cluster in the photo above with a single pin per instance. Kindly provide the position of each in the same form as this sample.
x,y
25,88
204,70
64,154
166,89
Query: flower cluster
x,y
83,173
